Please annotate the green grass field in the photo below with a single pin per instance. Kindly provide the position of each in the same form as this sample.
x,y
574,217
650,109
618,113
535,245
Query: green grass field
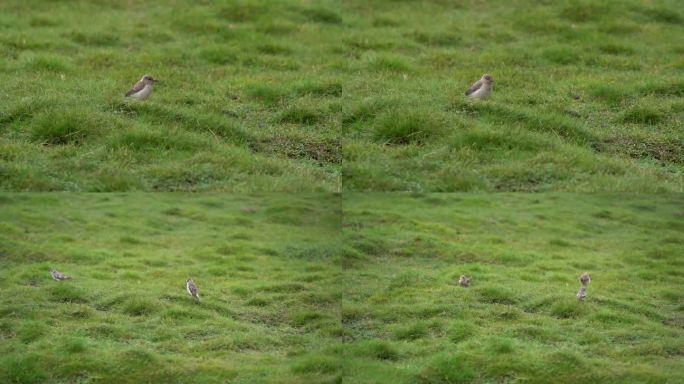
x,y
326,95
265,265
360,289
315,167
407,321
588,96
249,97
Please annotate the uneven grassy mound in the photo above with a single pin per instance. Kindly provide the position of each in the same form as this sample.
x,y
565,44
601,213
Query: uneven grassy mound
x,y
241,81
266,267
406,320
587,97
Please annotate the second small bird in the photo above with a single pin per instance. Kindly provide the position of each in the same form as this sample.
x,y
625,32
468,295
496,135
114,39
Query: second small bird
x,y
192,289
482,88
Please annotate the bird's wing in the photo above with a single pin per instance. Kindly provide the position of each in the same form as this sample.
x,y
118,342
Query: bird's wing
x,y
193,289
136,88
474,87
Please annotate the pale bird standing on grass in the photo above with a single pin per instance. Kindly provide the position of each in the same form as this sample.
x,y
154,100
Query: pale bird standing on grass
x,y
59,276
464,281
192,289
582,294
482,88
142,89
585,279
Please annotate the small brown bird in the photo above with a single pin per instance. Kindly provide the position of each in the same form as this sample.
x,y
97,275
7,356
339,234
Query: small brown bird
x,y
482,88
585,279
582,294
142,89
59,276
464,281
192,289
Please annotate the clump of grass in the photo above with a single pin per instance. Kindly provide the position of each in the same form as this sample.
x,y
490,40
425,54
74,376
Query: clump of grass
x,y
447,369
332,88
219,55
642,115
320,364
561,55
305,318
607,93
566,309
322,15
378,349
274,49
675,88
103,39
616,49
24,368
665,15
500,346
407,127
300,115
72,126
390,64
155,140
74,345
66,292
497,295
243,11
443,39
31,331
460,331
45,63
585,11
412,331
140,307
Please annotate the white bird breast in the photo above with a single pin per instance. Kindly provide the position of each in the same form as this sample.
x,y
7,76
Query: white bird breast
x,y
143,93
482,93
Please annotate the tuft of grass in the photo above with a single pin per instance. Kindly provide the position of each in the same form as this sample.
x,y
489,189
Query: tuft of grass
x,y
642,115
140,307
562,55
57,127
300,115
322,15
447,369
498,295
317,365
406,127
411,331
608,93
66,292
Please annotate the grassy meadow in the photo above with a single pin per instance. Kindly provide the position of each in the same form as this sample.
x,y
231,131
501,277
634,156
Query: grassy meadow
x,y
328,289
588,96
406,320
266,268
348,95
248,99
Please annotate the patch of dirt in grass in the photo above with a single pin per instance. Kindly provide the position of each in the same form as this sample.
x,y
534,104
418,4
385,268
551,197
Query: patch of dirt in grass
x,y
670,151
321,151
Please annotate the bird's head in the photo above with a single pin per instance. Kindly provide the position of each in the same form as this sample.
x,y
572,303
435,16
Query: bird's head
x,y
189,281
147,79
52,271
488,78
